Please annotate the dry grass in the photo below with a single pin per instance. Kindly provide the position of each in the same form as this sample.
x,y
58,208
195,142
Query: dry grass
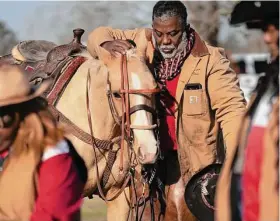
x,y
94,209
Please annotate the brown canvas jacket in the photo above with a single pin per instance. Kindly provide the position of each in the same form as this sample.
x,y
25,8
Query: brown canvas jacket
x,y
220,101
18,186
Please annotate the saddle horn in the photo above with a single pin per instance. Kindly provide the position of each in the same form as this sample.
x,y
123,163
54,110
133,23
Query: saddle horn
x,y
78,32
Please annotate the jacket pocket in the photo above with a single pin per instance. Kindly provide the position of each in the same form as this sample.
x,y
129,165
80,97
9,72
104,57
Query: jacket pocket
x,y
194,103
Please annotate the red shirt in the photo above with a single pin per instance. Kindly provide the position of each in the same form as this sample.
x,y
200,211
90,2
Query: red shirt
x,y
253,161
251,174
59,187
167,130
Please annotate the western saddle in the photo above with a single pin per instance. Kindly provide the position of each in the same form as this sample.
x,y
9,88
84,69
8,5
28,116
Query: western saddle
x,y
45,60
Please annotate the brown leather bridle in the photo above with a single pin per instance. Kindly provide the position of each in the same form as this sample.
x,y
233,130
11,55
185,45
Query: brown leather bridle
x,y
124,119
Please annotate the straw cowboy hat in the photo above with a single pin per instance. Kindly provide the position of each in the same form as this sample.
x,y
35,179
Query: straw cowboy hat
x,y
15,88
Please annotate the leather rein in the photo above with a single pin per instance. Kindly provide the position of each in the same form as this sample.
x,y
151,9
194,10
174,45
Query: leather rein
x,y
123,121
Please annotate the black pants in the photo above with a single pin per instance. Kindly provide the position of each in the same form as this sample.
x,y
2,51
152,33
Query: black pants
x,y
235,196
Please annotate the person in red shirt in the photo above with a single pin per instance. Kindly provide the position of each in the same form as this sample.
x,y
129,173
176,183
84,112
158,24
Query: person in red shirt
x,y
249,189
39,179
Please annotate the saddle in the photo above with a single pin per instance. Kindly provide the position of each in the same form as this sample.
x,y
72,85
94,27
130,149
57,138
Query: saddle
x,y
55,59
44,60
59,66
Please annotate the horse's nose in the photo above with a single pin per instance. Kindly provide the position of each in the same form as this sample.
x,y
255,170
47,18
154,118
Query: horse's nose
x,y
146,158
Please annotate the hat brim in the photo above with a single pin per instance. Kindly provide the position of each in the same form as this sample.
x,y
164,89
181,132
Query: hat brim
x,y
36,92
266,10
193,196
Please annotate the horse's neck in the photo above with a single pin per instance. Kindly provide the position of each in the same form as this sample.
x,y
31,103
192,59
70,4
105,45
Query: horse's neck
x,y
73,102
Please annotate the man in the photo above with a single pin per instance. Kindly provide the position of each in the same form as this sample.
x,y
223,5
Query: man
x,y
204,93
250,182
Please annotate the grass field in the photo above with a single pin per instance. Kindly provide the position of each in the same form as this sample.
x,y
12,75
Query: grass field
x,y
94,209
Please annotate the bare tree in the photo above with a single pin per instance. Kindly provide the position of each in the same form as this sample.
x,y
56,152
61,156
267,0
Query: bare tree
x,y
55,21
60,19
204,17
7,39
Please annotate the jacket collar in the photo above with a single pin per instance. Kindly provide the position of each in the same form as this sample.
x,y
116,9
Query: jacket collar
x,y
199,49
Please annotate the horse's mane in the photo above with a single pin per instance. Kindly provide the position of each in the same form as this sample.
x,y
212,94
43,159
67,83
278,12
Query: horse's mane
x,y
130,54
99,64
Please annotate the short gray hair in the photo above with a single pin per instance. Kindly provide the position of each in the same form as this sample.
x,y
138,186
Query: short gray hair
x,y
167,9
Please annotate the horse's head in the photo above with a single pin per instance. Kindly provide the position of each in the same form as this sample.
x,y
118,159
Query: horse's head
x,y
141,107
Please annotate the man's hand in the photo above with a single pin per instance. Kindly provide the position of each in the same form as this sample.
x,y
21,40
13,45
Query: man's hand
x,y
116,47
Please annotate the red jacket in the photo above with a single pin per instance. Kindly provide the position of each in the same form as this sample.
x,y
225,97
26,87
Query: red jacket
x,y
59,186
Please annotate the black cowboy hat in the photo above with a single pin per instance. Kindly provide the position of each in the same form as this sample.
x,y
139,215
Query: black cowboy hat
x,y
255,13
200,192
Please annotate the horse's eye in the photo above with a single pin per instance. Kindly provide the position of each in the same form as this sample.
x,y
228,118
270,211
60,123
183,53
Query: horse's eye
x,y
116,95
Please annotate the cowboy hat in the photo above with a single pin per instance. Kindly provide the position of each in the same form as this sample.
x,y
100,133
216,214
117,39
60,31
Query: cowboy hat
x,y
15,88
255,13
200,192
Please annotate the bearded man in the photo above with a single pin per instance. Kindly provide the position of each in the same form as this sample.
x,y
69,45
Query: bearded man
x,y
202,96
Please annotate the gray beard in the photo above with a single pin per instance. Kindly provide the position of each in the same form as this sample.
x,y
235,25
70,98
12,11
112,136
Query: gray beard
x,y
182,45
